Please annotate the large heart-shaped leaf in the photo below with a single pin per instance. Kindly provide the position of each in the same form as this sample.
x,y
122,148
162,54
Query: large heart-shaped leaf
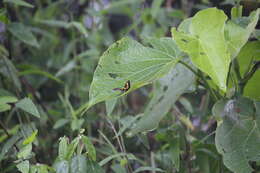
x,y
206,45
128,60
238,137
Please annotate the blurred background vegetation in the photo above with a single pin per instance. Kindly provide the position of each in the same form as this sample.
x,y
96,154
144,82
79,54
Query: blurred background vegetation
x,y
49,50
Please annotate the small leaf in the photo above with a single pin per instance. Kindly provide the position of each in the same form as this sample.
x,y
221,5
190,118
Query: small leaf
x,y
24,166
60,123
80,28
25,152
236,11
89,147
8,70
78,164
93,167
72,147
27,105
31,138
175,152
8,145
62,166
7,99
23,33
4,107
19,3
63,147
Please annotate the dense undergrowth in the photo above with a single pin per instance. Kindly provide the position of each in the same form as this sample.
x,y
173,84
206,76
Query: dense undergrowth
x,y
179,81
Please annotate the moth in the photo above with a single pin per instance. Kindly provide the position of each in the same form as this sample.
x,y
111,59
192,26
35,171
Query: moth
x,y
125,88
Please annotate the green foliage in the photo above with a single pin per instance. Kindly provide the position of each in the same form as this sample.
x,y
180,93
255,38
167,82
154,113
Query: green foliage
x,y
181,103
237,138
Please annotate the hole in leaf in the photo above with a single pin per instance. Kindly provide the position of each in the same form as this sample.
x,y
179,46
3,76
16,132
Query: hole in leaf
x,y
112,75
160,99
185,41
165,88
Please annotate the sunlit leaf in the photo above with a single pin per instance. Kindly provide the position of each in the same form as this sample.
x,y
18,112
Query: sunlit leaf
x,y
129,60
31,138
238,31
206,44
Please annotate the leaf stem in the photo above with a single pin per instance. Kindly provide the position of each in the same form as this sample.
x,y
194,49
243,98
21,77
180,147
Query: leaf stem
x,y
242,82
201,76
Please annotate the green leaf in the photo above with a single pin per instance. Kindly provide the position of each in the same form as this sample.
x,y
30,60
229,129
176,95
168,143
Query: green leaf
x,y
63,147
4,107
8,145
72,147
25,152
111,157
7,99
27,105
156,7
35,70
206,44
19,3
129,60
76,123
24,166
31,138
60,123
236,11
172,86
58,23
78,164
80,28
23,33
89,147
238,31
175,152
248,54
110,105
62,166
8,69
93,167
237,137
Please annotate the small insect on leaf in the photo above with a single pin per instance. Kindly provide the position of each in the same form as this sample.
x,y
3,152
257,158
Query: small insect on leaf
x,y
125,88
